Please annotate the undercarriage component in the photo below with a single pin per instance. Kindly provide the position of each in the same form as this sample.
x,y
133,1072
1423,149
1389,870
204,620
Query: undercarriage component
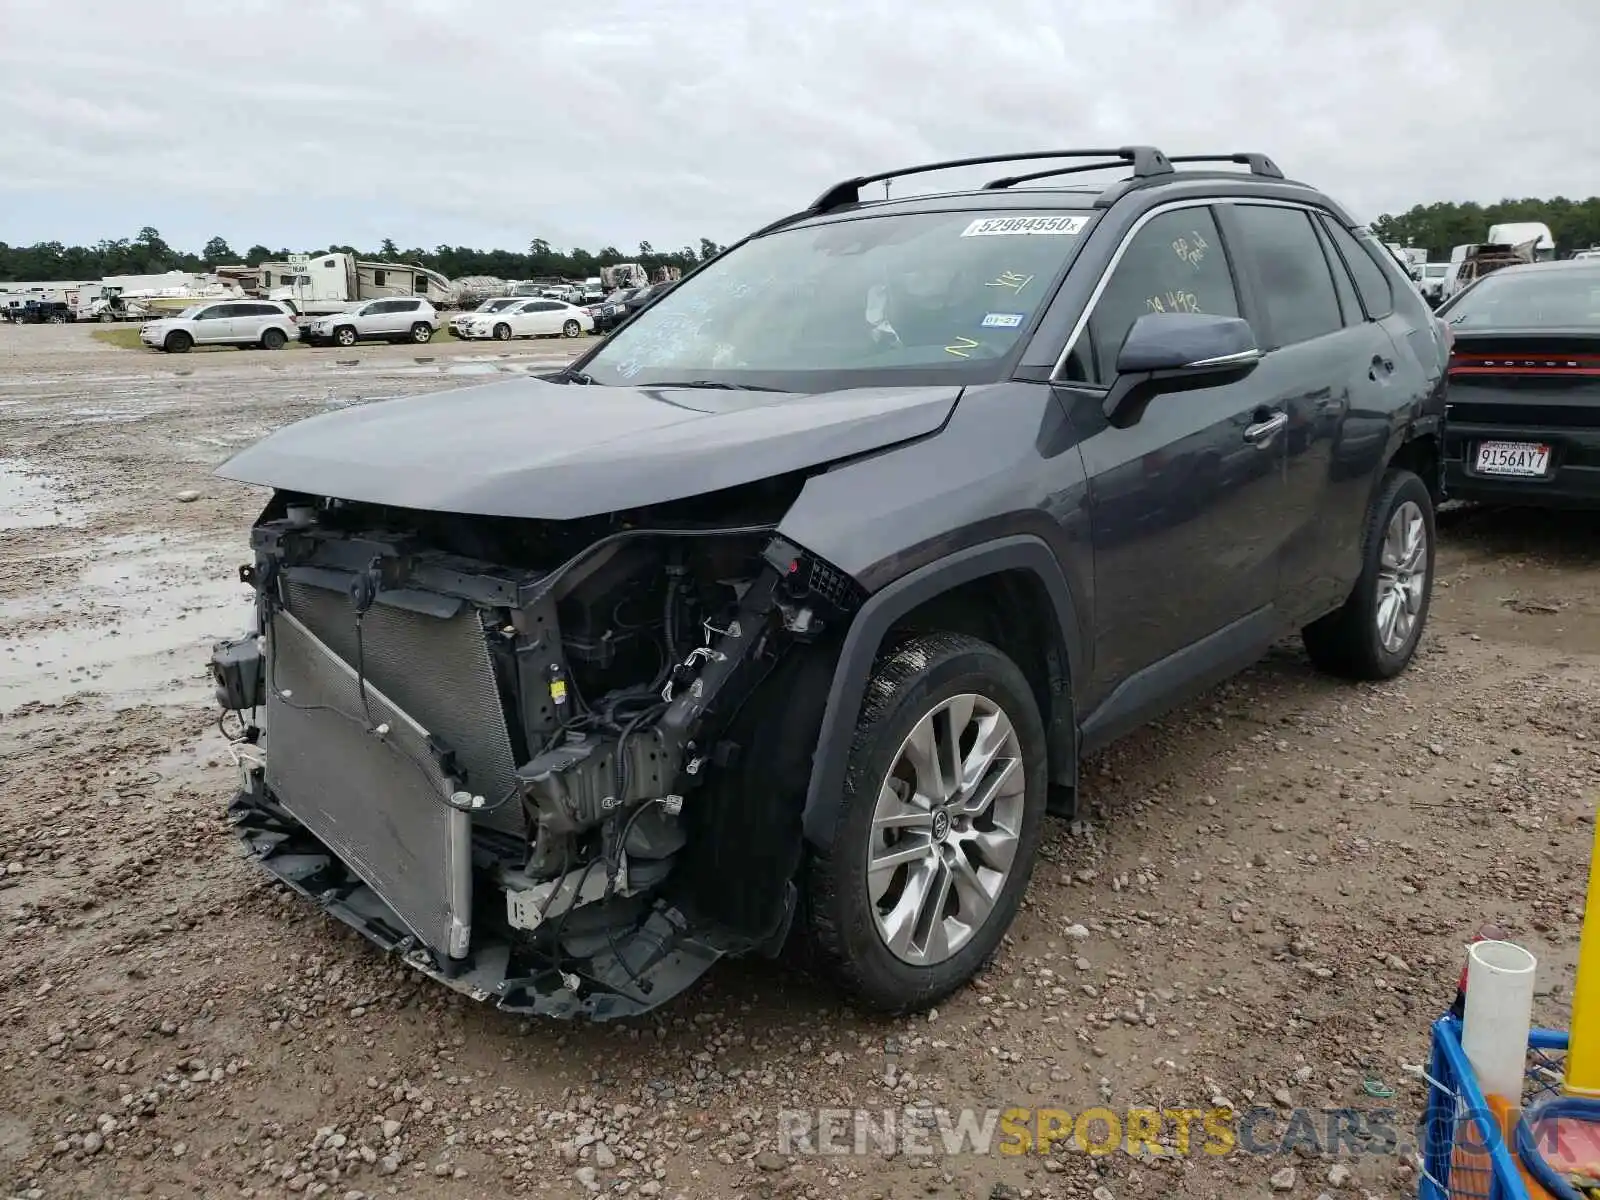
x,y
664,954
584,780
529,905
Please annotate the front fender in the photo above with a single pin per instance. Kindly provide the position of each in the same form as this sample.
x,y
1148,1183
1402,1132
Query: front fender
x,y
871,624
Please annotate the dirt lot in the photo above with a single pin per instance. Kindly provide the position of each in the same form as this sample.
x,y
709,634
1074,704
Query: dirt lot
x,y
1266,903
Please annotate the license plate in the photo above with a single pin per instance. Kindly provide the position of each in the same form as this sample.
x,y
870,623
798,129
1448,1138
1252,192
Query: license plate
x,y
1512,458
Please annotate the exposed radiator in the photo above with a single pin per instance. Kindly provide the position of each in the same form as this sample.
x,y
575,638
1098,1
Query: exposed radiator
x,y
439,671
381,808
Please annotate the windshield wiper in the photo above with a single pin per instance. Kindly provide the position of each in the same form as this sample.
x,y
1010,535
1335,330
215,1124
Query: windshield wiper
x,y
712,383
574,376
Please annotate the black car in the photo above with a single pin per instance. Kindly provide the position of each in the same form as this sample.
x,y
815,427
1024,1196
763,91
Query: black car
x,y
1523,425
795,604
43,312
612,311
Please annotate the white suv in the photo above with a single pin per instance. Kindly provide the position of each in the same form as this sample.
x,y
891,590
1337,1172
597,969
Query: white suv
x,y
242,323
391,320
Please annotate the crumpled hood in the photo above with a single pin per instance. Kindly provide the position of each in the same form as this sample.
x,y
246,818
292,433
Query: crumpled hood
x,y
527,448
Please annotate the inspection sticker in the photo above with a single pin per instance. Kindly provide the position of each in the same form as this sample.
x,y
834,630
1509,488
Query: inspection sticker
x,y
1003,320
997,226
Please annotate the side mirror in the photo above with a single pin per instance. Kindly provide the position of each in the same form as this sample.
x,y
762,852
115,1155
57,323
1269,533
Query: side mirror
x,y
1169,352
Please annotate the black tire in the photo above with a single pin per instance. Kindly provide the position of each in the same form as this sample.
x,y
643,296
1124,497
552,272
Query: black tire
x,y
906,685
345,335
422,333
572,329
177,342
502,332
1346,642
273,339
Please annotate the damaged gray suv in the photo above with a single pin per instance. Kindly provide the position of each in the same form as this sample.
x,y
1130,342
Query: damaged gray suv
x,y
793,606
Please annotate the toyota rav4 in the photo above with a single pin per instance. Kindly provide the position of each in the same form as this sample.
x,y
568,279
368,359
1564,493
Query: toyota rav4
x,y
795,604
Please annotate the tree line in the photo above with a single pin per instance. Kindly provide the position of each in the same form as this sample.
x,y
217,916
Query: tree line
x,y
149,254
1575,225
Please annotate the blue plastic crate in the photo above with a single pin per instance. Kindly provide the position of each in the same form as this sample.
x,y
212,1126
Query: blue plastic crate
x,y
1458,1116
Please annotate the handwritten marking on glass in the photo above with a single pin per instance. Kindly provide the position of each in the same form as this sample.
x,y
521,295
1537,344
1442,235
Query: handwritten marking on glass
x,y
1191,249
1014,280
961,347
1177,301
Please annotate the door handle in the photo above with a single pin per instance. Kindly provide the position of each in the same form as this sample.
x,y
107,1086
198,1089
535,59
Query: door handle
x,y
1262,432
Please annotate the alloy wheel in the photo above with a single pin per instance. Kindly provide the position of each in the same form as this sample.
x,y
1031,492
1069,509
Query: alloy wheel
x,y
1402,576
945,829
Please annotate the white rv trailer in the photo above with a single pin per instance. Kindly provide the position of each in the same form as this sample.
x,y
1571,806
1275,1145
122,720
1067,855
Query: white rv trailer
x,y
335,281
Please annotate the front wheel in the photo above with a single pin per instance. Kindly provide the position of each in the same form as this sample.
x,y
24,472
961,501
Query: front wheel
x,y
502,333
938,826
572,329
345,335
1374,635
422,333
178,342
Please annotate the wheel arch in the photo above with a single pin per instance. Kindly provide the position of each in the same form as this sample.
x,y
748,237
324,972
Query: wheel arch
x,y
1421,452
970,588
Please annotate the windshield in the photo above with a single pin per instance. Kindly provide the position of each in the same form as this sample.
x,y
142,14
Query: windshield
x,y
193,311
497,304
1564,299
919,291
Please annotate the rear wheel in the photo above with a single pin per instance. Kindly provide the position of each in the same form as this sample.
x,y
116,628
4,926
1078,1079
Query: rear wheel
x,y
938,827
273,339
502,332
1374,635
572,329
422,333
177,342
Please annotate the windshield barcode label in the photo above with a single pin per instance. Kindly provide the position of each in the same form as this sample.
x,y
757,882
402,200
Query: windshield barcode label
x,y
996,226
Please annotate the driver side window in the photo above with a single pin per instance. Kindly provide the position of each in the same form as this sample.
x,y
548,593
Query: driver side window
x,y
1174,263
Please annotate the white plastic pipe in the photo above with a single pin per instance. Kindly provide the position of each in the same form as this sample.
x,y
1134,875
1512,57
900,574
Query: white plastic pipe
x,y
1499,1011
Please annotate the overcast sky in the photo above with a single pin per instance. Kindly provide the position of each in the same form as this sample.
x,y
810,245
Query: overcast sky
x,y
491,122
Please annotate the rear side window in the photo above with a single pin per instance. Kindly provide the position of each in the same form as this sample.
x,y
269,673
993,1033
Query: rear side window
x,y
1377,297
1349,302
1174,263
1291,272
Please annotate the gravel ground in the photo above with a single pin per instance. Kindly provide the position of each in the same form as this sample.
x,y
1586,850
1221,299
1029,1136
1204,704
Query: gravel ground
x,y
1265,903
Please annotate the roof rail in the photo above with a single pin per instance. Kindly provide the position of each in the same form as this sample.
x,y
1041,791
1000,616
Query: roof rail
x,y
1010,180
1259,164
1146,161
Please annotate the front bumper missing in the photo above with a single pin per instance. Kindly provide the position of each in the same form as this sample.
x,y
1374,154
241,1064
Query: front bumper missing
x,y
665,955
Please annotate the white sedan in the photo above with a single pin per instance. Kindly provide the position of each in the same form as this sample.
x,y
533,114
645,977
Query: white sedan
x,y
459,323
538,317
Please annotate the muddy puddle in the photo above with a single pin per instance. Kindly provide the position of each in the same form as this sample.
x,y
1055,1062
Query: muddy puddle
x,y
133,624
32,499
